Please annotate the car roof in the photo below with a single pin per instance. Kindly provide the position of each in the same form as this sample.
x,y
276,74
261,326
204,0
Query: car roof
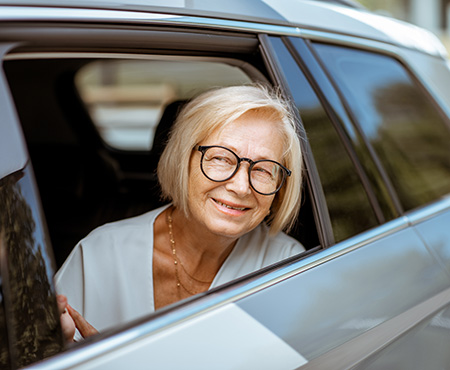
x,y
344,17
245,10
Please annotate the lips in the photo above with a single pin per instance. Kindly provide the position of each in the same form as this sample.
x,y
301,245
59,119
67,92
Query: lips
x,y
237,208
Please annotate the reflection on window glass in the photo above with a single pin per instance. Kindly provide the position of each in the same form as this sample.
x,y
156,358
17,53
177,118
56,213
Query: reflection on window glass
x,y
4,345
27,273
348,205
126,98
401,123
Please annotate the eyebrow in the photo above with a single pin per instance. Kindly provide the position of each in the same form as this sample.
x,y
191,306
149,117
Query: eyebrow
x,y
253,159
196,147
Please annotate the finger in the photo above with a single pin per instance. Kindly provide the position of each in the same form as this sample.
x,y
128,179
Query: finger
x,y
67,323
67,326
85,329
62,303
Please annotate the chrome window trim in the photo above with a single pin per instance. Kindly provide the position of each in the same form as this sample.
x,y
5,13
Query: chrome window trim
x,y
425,213
40,14
209,302
364,43
16,13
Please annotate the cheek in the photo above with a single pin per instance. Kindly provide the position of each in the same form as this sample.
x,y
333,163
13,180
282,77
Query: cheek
x,y
194,175
198,183
265,203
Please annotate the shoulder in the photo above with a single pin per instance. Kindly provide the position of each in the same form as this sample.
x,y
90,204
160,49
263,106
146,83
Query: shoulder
x,y
255,250
260,248
110,250
127,228
280,244
120,238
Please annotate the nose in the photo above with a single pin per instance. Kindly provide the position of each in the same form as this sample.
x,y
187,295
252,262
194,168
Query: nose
x,y
239,183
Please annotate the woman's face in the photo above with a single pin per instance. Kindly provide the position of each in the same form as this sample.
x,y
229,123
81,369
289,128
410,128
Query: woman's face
x,y
232,208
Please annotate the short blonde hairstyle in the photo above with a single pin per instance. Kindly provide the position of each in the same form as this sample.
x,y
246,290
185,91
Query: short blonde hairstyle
x,y
212,111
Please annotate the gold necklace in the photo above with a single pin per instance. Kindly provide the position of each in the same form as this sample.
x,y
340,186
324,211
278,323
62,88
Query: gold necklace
x,y
177,261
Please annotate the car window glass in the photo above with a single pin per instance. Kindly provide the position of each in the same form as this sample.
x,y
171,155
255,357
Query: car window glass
x,y
4,346
349,208
398,119
126,98
27,270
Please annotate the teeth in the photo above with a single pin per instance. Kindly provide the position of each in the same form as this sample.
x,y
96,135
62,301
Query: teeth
x,y
230,207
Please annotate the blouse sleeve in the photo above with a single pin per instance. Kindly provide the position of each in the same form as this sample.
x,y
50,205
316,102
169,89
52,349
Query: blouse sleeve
x,y
256,250
69,279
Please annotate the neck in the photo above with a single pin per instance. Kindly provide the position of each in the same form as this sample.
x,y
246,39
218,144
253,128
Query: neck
x,y
203,253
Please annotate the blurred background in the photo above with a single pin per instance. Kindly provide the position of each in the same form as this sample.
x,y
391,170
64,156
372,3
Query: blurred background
x,y
434,15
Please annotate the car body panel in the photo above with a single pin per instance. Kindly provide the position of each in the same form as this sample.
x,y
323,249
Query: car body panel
x,y
433,74
213,333
434,231
414,350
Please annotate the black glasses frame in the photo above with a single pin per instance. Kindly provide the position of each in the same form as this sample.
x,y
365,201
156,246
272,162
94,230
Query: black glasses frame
x,y
204,148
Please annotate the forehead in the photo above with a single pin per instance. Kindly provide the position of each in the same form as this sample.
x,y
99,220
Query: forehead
x,y
252,136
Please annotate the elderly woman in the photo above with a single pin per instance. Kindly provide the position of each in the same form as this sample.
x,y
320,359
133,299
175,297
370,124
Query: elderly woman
x,y
231,171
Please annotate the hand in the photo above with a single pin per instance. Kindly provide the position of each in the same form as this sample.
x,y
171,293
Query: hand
x,y
85,329
71,319
67,323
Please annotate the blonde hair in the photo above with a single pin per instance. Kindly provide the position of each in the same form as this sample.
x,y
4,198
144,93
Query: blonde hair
x,y
212,111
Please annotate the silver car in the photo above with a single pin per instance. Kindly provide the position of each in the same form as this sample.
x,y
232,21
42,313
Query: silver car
x,y
88,91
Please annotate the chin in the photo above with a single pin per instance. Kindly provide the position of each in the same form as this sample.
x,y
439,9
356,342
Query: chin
x,y
232,230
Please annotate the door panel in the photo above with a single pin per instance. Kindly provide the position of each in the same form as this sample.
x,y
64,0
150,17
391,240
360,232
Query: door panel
x,y
423,347
352,295
435,230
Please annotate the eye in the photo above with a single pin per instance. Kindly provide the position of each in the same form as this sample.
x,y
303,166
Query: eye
x,y
220,157
264,171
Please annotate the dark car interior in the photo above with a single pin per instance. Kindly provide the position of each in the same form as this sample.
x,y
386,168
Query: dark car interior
x,y
82,181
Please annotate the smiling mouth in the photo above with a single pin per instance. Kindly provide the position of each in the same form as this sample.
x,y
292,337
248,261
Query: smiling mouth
x,y
230,207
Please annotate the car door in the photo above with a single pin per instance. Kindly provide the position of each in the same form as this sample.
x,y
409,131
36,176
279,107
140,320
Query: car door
x,y
376,299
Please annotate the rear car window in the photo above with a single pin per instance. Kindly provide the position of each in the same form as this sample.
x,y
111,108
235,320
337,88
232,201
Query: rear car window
x,y
397,118
126,98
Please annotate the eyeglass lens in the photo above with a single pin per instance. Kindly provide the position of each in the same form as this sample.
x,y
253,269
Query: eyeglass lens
x,y
220,164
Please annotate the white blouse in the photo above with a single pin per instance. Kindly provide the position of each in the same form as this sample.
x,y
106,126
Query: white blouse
x,y
108,276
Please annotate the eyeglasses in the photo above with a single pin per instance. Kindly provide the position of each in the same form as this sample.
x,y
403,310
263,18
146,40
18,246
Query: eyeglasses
x,y
219,164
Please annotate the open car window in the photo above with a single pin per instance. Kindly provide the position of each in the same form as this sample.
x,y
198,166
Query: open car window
x,y
127,98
